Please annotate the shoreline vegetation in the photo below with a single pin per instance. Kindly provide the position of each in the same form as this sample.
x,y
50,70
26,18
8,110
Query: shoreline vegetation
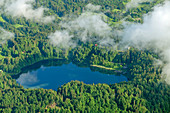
x,y
33,63
55,62
142,93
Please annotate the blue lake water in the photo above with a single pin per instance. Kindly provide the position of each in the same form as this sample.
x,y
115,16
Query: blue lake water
x,y
54,76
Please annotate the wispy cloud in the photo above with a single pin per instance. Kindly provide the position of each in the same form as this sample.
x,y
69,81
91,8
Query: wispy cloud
x,y
5,35
135,3
153,34
88,27
24,8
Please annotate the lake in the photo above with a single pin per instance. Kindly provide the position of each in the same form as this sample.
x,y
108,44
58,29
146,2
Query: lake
x,y
52,77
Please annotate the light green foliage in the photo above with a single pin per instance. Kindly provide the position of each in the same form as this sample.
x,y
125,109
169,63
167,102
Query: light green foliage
x,y
18,25
142,93
1,19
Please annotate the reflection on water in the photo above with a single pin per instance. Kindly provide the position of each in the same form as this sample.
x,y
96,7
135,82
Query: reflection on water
x,y
52,77
28,78
36,87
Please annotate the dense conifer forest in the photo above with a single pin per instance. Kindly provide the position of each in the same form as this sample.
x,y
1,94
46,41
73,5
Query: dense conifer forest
x,y
145,90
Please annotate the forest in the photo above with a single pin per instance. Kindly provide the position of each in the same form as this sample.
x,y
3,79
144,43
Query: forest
x,y
28,42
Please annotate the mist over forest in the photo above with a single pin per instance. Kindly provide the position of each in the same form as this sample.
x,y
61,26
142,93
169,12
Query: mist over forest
x,y
130,37
91,26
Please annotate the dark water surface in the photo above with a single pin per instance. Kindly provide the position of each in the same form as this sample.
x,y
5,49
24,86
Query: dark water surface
x,y
53,77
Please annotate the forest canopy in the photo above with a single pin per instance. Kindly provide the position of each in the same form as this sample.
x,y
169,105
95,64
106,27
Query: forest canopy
x,y
123,35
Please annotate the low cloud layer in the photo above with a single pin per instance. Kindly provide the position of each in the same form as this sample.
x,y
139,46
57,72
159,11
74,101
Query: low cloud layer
x,y
24,8
5,35
154,33
88,27
61,39
135,3
91,7
1,2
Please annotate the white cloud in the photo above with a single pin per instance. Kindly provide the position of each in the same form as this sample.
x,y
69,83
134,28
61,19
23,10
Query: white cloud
x,y
153,33
5,35
24,8
135,3
1,2
88,24
88,27
91,7
61,39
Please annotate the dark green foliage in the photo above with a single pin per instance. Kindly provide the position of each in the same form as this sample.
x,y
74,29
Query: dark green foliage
x,y
144,92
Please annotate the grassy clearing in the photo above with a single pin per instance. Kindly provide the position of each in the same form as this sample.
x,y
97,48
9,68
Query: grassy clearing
x,y
1,57
18,25
103,67
1,19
